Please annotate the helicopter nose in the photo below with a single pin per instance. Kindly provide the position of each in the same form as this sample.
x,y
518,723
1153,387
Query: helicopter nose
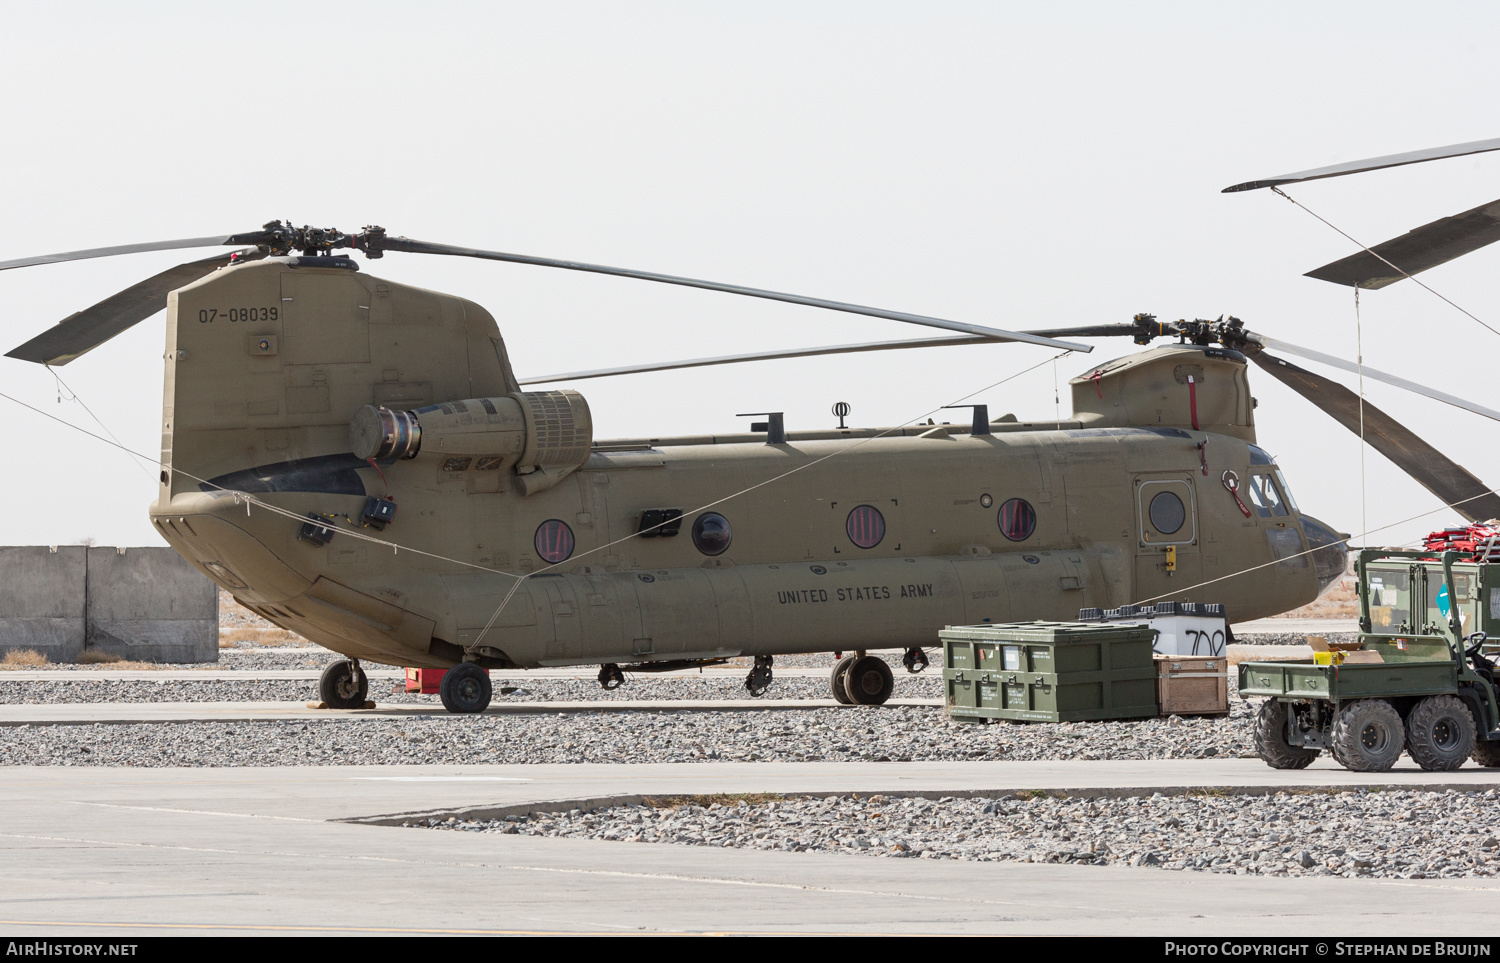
x,y
1330,551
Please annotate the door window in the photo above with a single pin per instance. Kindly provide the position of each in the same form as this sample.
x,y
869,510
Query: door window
x,y
1166,512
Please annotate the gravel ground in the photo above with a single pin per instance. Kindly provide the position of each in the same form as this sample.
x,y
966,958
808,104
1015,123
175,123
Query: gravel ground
x,y
388,692
637,736
632,736
1291,638
1392,834
639,686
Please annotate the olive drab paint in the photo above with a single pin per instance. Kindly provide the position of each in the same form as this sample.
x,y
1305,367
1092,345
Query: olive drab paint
x,y
270,363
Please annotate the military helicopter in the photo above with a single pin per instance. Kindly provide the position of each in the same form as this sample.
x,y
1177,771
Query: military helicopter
x,y
355,460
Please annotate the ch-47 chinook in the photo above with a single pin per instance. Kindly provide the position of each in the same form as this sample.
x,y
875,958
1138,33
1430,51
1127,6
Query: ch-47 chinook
x,y
315,414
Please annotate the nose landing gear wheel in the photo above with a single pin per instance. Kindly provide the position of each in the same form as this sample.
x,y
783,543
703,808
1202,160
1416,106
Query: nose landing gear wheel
x,y
343,685
465,688
869,681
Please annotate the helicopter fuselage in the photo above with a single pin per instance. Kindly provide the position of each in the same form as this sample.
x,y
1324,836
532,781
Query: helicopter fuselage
x,y
518,539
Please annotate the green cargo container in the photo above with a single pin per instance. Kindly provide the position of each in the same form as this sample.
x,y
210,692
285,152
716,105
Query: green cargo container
x,y
1048,671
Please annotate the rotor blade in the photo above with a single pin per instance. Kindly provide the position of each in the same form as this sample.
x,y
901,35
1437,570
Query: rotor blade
x,y
1371,164
759,356
1375,374
79,333
119,249
1087,331
1433,470
1417,250
424,247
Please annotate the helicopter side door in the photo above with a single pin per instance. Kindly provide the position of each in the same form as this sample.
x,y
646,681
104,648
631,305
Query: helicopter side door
x,y
1168,555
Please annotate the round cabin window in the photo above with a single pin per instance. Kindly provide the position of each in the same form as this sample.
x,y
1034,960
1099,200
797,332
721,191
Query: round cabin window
x,y
711,533
1017,519
1167,512
554,540
866,526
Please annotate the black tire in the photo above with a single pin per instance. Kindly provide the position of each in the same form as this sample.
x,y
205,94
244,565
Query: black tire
x,y
1487,754
342,686
838,677
869,681
1439,733
1270,739
1367,736
465,688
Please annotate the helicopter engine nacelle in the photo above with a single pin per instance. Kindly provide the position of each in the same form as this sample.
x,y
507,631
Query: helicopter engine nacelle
x,y
540,435
1172,386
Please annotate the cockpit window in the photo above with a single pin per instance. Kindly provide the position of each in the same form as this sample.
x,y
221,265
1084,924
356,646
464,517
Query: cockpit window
x,y
1258,456
1258,497
1268,501
1286,491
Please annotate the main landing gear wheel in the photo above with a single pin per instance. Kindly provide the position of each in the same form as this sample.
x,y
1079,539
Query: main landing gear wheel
x,y
838,680
1439,733
1270,739
343,685
465,688
869,681
1367,735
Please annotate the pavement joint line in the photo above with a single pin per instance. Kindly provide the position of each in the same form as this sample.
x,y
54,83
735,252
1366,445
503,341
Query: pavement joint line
x,y
195,812
92,897
434,931
277,928
587,803
522,867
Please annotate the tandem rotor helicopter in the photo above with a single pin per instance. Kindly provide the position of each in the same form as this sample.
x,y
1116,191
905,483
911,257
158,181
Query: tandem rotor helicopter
x,y
355,460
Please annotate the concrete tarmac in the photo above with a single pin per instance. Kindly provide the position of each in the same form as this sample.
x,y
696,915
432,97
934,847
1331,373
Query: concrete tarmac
x,y
117,852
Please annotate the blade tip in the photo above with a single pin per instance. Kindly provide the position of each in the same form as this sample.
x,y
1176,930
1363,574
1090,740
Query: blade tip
x,y
1252,186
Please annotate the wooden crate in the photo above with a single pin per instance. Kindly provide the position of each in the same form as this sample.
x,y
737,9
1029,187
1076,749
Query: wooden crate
x,y
1192,685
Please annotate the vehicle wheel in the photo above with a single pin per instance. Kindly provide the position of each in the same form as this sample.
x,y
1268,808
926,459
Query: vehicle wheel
x,y
343,686
1367,735
838,678
465,688
1487,754
1439,733
1270,739
869,681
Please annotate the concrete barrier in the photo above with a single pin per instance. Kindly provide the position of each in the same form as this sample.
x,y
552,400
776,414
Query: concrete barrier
x,y
42,600
142,604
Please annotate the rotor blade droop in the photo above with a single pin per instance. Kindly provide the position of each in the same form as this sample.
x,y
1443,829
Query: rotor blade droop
x,y
1417,250
412,246
82,332
1432,469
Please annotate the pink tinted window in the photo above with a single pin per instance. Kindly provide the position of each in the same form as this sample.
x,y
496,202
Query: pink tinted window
x,y
1017,520
554,540
866,526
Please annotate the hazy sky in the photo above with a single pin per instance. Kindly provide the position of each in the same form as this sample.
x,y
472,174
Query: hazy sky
x,y
1021,165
